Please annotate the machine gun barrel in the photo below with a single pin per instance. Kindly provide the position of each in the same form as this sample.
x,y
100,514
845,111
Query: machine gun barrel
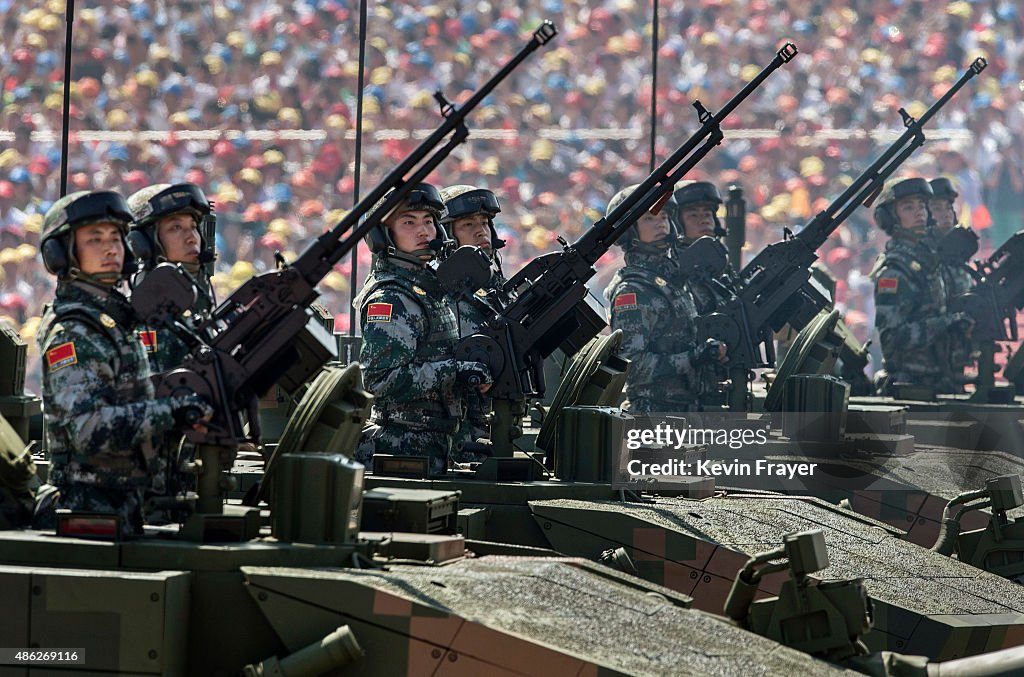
x,y
264,332
871,180
775,287
551,307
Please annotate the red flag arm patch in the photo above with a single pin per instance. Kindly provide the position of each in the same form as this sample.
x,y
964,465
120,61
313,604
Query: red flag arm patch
x,y
148,339
625,302
61,356
378,312
888,285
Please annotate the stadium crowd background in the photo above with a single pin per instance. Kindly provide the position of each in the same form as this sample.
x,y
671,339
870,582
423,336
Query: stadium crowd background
x,y
256,102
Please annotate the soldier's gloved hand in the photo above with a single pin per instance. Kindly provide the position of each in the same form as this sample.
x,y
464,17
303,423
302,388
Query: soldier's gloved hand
x,y
961,323
711,351
472,374
188,410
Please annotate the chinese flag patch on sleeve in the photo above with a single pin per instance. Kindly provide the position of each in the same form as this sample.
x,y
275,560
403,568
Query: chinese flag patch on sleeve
x,y
61,356
888,285
148,339
625,302
378,312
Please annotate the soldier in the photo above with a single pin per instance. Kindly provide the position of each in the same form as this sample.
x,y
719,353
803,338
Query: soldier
x,y
168,225
470,220
696,207
913,323
656,318
955,245
409,336
104,424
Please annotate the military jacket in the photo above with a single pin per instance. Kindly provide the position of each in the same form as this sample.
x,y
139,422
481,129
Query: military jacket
x,y
657,321
163,347
103,422
957,281
911,313
409,336
709,293
472,310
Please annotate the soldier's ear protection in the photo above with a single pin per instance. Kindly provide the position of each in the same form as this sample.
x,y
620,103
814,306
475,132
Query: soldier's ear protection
x,y
55,255
57,250
885,216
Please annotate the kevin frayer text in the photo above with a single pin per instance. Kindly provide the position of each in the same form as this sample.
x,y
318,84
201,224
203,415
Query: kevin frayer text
x,y
735,468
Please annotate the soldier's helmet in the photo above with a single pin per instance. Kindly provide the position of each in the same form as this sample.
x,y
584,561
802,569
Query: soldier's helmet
x,y
151,204
71,212
631,239
465,200
885,208
943,188
422,197
699,193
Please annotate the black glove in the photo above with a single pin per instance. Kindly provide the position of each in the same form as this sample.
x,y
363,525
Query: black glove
x,y
961,322
472,374
707,353
189,410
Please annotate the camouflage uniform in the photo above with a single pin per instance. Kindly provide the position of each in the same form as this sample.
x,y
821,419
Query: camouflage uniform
x,y
471,311
913,324
956,281
164,348
166,351
708,294
660,335
409,336
103,423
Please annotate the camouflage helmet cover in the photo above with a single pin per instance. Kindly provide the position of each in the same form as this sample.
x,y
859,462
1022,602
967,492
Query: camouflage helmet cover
x,y
82,208
465,200
163,199
71,212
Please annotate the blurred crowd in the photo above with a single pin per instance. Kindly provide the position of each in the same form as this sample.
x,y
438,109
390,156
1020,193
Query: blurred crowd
x,y
256,102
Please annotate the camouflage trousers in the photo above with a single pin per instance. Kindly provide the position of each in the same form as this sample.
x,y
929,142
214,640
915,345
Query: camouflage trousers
x,y
168,478
88,498
466,438
399,440
647,405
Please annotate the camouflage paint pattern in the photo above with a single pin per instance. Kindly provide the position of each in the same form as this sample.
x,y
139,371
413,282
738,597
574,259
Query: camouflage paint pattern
x,y
409,335
911,317
657,320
